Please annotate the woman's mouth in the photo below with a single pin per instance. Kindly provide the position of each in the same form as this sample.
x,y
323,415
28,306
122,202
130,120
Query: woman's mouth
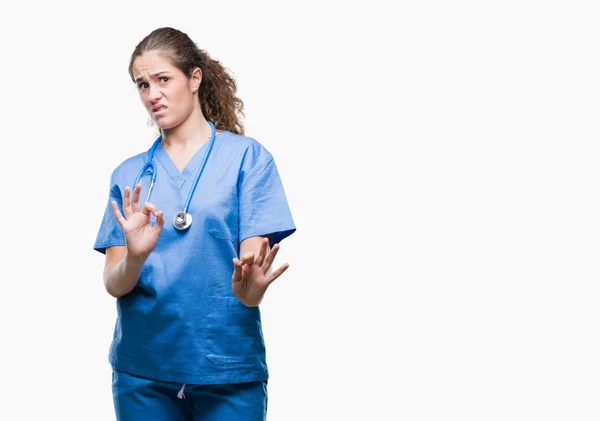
x,y
159,109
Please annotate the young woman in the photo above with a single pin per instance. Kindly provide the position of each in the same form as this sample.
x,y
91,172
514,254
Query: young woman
x,y
190,232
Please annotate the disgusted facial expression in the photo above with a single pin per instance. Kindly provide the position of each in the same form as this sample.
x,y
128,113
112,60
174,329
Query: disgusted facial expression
x,y
166,92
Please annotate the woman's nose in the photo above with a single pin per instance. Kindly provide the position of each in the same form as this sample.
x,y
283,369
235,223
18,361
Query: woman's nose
x,y
154,93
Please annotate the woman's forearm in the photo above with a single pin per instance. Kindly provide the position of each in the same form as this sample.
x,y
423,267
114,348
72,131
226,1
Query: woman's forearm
x,y
121,277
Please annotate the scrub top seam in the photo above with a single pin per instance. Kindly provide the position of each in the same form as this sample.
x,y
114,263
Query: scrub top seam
x,y
179,187
192,171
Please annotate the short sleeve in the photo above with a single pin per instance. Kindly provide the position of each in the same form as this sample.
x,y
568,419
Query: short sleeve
x,y
263,208
110,232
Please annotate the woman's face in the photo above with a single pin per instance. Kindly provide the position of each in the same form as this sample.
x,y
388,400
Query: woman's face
x,y
166,92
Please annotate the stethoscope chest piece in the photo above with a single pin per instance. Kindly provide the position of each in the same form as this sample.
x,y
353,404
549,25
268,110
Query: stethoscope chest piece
x,y
182,221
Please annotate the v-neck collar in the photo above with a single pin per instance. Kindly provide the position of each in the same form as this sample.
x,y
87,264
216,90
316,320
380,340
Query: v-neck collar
x,y
180,177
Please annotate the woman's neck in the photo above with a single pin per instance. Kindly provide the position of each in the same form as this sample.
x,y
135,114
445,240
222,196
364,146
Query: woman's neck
x,y
192,133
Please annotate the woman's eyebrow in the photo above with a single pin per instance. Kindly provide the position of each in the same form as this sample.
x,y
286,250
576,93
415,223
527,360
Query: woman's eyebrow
x,y
152,75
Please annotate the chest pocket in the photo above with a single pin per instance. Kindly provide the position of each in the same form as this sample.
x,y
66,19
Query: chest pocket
x,y
219,207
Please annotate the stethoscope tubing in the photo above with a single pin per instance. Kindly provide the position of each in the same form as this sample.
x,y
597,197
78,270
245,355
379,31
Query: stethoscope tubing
x,y
150,167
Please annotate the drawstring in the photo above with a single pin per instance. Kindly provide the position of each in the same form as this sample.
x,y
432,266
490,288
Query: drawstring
x,y
181,395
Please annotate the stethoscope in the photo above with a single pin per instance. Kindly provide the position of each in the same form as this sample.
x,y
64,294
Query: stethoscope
x,y
183,219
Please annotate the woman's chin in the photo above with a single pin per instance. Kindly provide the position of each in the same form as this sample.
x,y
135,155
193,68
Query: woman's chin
x,y
165,124
168,123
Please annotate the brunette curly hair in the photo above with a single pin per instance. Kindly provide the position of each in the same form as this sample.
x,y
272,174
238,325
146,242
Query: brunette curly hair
x,y
217,92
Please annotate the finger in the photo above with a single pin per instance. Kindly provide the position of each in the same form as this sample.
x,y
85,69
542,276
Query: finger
x,y
127,202
270,258
148,209
248,258
262,253
160,222
276,274
136,198
237,271
117,213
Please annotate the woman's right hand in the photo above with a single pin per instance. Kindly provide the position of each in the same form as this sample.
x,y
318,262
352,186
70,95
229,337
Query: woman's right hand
x,y
140,236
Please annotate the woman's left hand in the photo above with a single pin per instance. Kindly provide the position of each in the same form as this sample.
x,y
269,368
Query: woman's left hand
x,y
252,275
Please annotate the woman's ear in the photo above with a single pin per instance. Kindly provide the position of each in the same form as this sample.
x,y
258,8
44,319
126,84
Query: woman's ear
x,y
196,79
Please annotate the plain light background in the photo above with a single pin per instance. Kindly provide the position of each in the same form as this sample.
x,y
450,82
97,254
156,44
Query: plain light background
x,y
441,163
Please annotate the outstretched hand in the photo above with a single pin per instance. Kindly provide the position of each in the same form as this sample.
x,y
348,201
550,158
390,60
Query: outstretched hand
x,y
140,236
252,274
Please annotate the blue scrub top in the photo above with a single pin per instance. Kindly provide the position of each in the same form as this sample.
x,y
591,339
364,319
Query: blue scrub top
x,y
182,323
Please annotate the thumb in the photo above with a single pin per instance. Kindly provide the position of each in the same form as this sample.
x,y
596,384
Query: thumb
x,y
248,258
160,221
237,271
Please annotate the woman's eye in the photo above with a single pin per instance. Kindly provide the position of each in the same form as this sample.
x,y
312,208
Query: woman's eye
x,y
164,79
142,86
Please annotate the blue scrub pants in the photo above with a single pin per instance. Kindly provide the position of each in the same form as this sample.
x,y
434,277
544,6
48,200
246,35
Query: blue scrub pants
x,y
138,398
